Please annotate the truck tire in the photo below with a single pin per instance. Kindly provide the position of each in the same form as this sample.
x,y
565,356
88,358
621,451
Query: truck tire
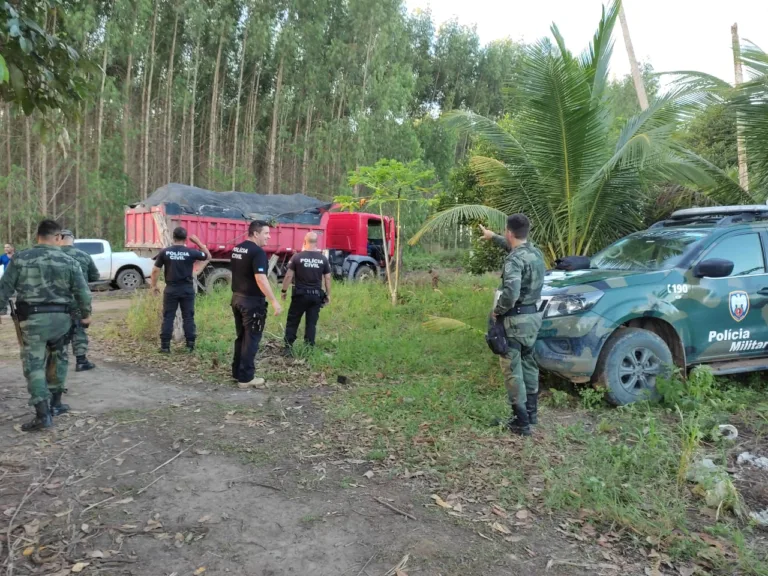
x,y
629,364
365,273
218,278
129,279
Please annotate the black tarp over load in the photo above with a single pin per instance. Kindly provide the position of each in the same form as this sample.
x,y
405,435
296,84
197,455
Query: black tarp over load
x,y
282,208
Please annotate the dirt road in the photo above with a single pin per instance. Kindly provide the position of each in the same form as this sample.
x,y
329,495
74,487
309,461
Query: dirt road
x,y
149,476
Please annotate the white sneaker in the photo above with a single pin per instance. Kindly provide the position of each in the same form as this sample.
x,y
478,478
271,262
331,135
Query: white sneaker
x,y
255,383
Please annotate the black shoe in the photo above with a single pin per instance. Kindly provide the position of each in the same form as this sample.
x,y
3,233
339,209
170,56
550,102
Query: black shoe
x,y
165,347
57,408
520,424
190,345
43,418
84,364
532,407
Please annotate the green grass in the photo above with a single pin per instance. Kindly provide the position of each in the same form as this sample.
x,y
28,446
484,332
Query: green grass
x,y
421,400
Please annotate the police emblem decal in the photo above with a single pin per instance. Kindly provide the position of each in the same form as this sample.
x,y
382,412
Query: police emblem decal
x,y
738,304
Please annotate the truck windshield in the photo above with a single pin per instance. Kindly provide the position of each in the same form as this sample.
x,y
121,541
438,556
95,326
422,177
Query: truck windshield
x,y
647,250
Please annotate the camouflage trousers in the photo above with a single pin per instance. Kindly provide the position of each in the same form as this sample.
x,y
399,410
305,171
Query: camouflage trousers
x,y
79,338
518,366
44,354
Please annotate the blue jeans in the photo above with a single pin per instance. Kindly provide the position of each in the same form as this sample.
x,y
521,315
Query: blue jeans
x,y
249,328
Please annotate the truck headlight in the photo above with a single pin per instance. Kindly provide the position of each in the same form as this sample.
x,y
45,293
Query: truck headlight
x,y
567,304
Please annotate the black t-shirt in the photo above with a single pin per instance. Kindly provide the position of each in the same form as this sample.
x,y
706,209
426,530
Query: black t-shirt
x,y
178,262
248,259
308,269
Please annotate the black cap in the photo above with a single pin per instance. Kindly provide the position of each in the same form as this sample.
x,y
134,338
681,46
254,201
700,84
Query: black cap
x,y
66,232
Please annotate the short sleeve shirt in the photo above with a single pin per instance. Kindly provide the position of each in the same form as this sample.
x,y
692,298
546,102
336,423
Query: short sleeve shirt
x,y
308,269
248,259
178,263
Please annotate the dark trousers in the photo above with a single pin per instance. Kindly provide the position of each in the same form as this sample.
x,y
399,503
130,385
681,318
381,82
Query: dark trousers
x,y
302,304
249,330
172,300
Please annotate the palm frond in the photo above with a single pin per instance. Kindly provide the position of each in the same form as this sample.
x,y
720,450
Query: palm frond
x,y
597,57
442,324
468,123
457,215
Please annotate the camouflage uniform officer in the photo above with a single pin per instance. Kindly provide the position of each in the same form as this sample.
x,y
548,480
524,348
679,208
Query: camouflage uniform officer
x,y
91,274
522,280
45,280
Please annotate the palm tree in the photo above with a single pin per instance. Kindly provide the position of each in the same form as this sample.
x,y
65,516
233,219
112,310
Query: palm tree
x,y
555,162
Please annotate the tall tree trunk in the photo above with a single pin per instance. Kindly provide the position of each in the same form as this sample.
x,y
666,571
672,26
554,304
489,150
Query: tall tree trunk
x,y
30,210
214,116
741,148
127,99
305,160
78,144
9,188
99,126
169,104
192,116
43,178
145,182
358,148
295,153
237,106
183,132
273,132
254,124
637,77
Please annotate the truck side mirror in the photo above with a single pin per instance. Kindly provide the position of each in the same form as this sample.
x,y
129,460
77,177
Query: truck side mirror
x,y
713,268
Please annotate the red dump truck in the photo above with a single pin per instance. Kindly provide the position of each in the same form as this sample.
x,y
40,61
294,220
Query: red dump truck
x,y
353,242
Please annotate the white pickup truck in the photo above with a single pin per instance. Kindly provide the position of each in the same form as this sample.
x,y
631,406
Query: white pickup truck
x,y
125,270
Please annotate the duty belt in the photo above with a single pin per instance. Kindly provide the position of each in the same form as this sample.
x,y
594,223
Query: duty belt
x,y
522,309
28,309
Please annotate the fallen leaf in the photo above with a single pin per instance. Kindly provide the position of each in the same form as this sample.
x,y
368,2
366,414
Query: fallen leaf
x,y
119,461
522,514
399,572
79,424
514,539
500,528
85,528
96,554
32,528
440,502
28,551
80,566
60,514
686,570
202,452
458,507
123,501
199,571
369,474
499,511
204,519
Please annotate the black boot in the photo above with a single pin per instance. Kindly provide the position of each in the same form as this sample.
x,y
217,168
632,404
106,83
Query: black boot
x,y
83,364
532,407
520,424
57,408
165,347
43,418
190,345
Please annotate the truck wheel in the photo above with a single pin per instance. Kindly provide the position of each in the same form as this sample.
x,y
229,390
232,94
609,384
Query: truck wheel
x,y
629,364
365,273
218,278
129,279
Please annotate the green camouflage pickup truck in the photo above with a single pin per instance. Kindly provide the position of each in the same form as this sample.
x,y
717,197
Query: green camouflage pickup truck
x,y
692,289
